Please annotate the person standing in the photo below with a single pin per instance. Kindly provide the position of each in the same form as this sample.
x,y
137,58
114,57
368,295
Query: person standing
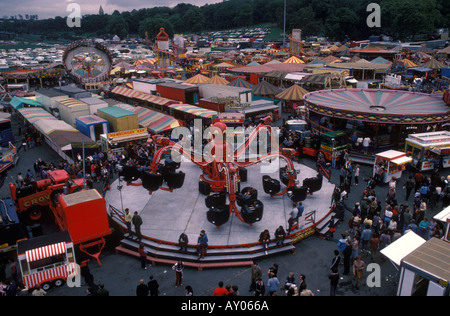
x,y
336,260
142,289
142,256
256,274
366,235
347,257
128,220
272,284
358,270
153,286
137,222
357,174
409,186
202,244
334,281
179,270
260,289
220,290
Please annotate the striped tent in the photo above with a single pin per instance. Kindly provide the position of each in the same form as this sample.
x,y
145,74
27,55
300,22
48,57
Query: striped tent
x,y
265,88
32,115
150,61
197,79
294,93
433,64
293,60
241,83
194,110
218,80
409,63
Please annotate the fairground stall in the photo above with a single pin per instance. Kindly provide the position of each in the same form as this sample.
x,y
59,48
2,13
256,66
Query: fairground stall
x,y
47,260
429,150
390,164
117,141
444,218
422,265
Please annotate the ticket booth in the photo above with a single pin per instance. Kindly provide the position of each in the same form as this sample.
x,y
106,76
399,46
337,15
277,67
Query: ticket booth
x,y
390,164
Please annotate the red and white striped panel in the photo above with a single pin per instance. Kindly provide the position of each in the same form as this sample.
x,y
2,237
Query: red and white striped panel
x,y
61,272
45,252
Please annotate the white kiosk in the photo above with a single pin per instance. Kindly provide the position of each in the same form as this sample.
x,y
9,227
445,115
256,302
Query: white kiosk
x,y
429,149
391,164
444,217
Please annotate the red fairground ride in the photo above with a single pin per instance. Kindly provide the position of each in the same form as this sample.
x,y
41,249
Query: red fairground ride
x,y
222,171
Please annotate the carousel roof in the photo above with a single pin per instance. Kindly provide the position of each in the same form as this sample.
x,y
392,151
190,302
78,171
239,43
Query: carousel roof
x,y
241,83
384,106
218,80
198,79
265,88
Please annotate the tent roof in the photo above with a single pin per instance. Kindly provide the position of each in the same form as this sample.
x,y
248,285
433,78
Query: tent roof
x,y
218,80
434,64
380,60
294,60
115,111
294,93
241,83
265,88
198,79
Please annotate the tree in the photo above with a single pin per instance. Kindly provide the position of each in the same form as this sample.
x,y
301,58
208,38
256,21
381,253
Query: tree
x,y
117,26
194,19
244,15
153,25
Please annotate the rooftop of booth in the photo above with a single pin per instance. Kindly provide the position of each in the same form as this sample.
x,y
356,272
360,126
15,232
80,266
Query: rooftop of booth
x,y
42,241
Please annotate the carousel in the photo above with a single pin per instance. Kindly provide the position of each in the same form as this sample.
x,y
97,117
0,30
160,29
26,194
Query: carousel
x,y
387,116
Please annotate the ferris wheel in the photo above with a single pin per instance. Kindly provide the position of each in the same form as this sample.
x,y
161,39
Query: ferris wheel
x,y
87,61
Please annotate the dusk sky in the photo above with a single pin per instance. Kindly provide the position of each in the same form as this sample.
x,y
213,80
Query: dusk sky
x,y
51,8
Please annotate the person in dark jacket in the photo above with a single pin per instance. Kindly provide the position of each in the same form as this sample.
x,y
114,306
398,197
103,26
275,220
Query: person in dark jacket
x,y
142,289
334,281
153,286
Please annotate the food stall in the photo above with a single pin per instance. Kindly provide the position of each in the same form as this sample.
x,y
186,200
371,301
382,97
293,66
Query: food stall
x,y
47,260
117,141
429,150
390,164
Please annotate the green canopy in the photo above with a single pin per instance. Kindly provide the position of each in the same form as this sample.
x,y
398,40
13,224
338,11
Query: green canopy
x,y
19,103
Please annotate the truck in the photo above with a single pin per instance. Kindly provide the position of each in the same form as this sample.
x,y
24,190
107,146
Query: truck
x,y
315,145
50,260
32,200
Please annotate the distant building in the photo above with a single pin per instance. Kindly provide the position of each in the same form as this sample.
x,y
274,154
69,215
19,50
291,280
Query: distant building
x,y
100,11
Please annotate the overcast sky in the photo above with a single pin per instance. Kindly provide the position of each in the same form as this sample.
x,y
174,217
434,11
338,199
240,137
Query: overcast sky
x,y
51,8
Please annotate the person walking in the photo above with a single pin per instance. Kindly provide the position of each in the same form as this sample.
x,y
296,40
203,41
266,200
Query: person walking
x,y
374,246
357,174
358,270
137,222
179,270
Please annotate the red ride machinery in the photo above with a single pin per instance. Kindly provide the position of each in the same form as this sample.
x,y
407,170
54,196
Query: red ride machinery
x,y
222,171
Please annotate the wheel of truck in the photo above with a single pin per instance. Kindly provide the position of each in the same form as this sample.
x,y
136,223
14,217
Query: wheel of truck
x,y
34,213
46,286
58,283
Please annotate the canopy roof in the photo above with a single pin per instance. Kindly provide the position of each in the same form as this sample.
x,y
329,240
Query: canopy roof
x,y
19,103
194,110
408,63
294,60
33,115
402,247
241,83
433,64
294,93
218,80
155,121
197,79
265,88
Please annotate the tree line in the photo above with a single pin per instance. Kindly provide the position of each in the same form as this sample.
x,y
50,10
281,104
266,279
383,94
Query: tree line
x,y
338,20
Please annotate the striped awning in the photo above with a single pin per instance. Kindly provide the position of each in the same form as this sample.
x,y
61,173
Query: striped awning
x,y
71,102
194,110
294,93
45,252
129,93
32,115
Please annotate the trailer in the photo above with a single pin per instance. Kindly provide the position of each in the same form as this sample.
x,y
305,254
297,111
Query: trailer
x,y
390,164
429,150
119,119
92,126
47,261
70,109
